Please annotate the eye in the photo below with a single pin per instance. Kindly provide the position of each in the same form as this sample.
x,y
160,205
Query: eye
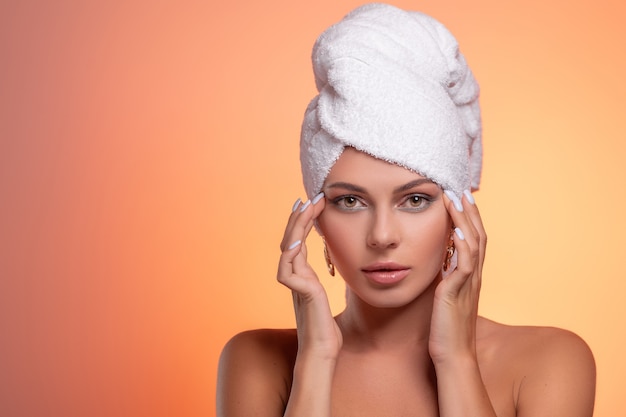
x,y
348,202
416,202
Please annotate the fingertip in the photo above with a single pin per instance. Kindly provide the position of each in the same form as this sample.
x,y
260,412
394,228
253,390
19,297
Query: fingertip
x,y
319,203
305,206
296,205
469,197
317,198
455,200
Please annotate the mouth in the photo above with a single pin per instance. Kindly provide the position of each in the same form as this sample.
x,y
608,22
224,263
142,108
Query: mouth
x,y
386,273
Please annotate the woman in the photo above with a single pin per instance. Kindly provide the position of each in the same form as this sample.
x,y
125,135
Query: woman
x,y
390,152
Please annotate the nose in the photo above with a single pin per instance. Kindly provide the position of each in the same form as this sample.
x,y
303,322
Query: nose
x,y
384,231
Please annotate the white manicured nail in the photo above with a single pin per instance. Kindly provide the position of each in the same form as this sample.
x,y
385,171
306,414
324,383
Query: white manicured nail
x,y
294,244
469,196
317,198
295,205
305,205
455,200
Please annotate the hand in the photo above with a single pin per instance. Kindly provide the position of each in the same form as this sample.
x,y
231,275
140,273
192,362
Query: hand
x,y
455,307
318,333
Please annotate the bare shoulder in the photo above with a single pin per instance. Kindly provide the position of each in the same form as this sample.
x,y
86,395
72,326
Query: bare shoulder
x,y
255,367
537,342
277,343
552,370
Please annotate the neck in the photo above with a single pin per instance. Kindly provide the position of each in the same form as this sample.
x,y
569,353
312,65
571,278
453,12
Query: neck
x,y
365,327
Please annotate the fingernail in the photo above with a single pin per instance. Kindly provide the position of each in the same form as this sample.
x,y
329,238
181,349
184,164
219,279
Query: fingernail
x,y
294,244
295,205
459,233
469,196
455,200
305,205
318,198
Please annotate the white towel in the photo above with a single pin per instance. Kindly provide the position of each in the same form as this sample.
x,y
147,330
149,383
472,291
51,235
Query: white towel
x,y
393,84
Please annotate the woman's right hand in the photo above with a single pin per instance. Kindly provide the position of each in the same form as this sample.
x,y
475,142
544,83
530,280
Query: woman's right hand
x,y
318,334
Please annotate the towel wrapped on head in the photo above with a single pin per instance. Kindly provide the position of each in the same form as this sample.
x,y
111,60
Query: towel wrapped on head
x,y
394,85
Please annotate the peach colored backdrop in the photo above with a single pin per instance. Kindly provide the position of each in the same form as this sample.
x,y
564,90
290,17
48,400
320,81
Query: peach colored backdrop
x,y
149,158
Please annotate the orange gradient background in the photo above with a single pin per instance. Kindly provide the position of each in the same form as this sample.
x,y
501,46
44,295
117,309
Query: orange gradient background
x,y
149,159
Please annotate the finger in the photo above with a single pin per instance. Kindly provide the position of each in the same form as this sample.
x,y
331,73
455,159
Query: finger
x,y
460,278
295,209
477,243
468,203
461,219
314,209
285,262
465,242
299,218
473,213
293,259
296,278
465,264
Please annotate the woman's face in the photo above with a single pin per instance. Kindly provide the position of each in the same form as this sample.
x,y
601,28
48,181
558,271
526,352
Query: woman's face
x,y
386,228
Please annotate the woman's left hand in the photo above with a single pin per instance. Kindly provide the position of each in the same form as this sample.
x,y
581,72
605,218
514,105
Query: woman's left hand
x,y
455,308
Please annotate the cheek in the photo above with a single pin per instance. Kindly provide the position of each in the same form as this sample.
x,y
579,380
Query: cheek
x,y
331,223
430,235
343,235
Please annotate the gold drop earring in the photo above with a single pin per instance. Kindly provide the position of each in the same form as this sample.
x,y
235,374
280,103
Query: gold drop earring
x,y
329,264
449,253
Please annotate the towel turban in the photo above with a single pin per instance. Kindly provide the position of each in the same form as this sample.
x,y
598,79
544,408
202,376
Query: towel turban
x,y
394,85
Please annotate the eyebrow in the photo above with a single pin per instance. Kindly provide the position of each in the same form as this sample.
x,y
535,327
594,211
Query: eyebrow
x,y
347,186
413,184
402,188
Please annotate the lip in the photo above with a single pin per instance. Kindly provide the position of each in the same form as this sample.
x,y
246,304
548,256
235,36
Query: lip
x,y
386,273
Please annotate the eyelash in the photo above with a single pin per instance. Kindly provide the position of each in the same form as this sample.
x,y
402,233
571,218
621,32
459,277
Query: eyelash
x,y
423,202
341,201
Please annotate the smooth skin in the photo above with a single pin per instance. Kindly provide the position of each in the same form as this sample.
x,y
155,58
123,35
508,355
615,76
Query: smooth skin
x,y
415,347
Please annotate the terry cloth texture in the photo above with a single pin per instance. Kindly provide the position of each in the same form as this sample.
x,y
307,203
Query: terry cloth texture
x,y
393,84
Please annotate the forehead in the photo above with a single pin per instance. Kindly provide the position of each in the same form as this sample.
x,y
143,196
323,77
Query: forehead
x,y
357,166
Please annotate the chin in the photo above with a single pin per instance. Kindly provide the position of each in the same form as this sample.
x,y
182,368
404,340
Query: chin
x,y
389,298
